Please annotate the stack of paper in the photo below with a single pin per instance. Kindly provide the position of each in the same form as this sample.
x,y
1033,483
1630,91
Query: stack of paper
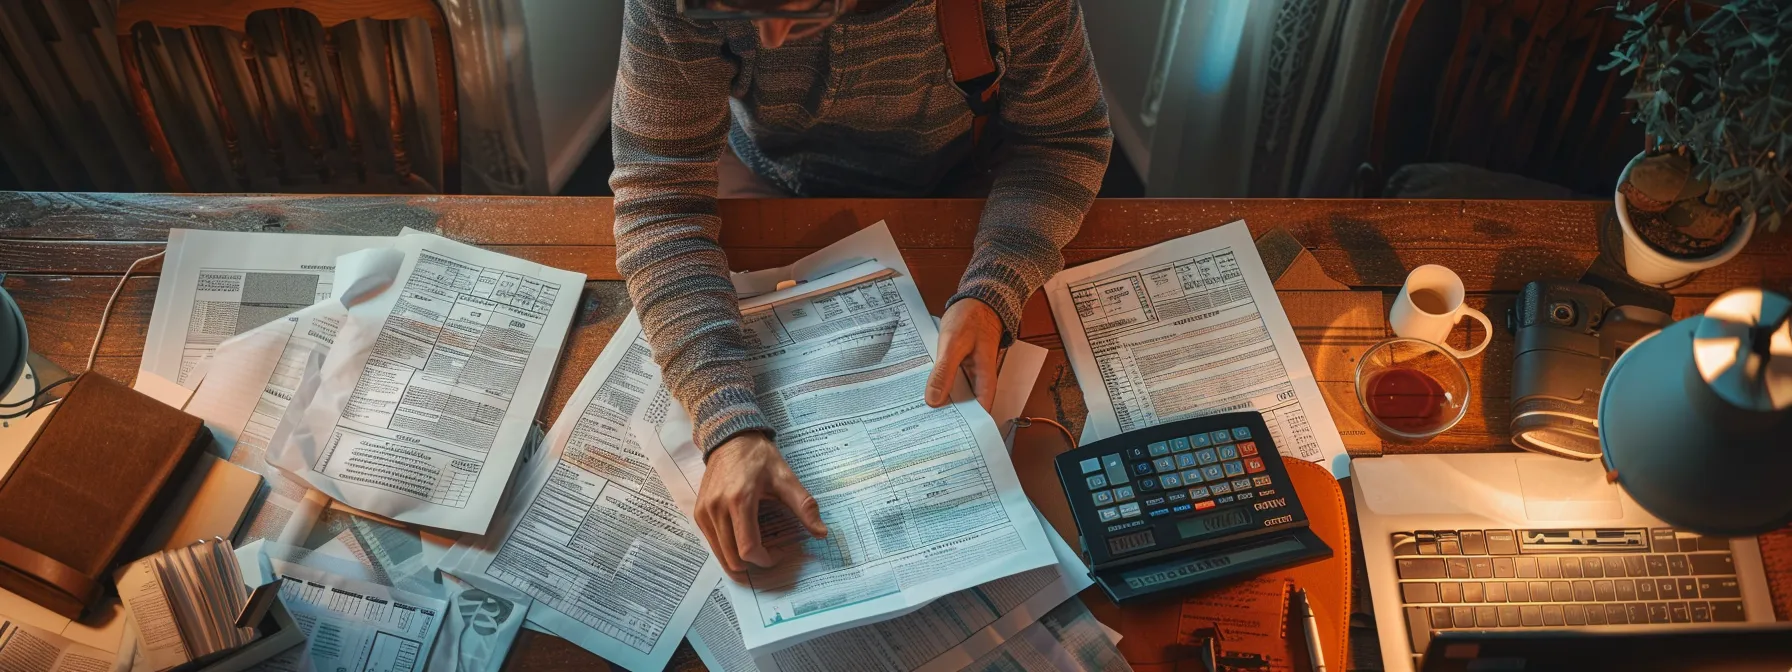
x,y
26,648
185,603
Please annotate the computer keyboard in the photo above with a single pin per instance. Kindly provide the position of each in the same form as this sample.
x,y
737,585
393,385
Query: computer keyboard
x,y
1492,579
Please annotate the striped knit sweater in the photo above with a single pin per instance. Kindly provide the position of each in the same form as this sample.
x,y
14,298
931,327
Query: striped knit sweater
x,y
866,108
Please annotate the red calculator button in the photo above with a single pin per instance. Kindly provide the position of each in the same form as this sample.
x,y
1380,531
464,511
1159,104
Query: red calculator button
x,y
1247,448
1253,465
1205,504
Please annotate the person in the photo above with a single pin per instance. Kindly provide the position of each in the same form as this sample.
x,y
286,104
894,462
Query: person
x,y
831,98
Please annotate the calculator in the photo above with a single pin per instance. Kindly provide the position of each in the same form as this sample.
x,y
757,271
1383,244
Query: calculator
x,y
1185,505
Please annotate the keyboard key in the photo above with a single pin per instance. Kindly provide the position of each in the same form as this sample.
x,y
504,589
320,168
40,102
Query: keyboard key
x,y
1108,515
1549,568
1583,591
1262,482
1658,612
1540,592
1616,614
1220,488
1241,433
1449,593
1689,542
1480,568
1136,453
1440,617
1614,567
1727,612
1472,592
1463,617
1164,464
1457,567
1719,588
1418,625
1531,616
1592,567
1207,456
1509,617
1561,591
1247,448
1496,591
1129,510
1658,565
1576,614
1603,591
1141,468
1420,568
1473,542
1714,544
1552,615
1253,465
1115,467
1169,481
1228,499
1123,493
1634,565
1236,468
1637,612
1406,543
1487,617
1097,482
1678,566
1220,436
1571,568
1712,563
1213,472
1204,504
1192,477
1501,542
1645,590
1678,613
1688,588
1447,542
1668,589
1158,449
1502,568
1185,460
1180,444
1527,568
1090,465
1228,452
1241,484
1595,614
1626,590
1199,492
1200,440
1104,497
1427,542
1701,612
1518,591
1662,540
1154,502
1180,508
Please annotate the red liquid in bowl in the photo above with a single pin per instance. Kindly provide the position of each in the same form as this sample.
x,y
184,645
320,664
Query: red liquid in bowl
x,y
1408,401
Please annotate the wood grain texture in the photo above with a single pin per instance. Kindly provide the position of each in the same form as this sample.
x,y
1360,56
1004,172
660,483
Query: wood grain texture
x,y
63,253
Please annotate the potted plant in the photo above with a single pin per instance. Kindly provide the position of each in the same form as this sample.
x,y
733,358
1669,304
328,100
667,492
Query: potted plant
x,y
1714,96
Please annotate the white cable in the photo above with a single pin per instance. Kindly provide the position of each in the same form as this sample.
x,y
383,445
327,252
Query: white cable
x,y
106,314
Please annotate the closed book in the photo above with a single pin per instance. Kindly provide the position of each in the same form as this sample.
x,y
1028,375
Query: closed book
x,y
88,489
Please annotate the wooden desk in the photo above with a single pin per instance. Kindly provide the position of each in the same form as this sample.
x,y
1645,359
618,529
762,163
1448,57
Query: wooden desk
x,y
63,253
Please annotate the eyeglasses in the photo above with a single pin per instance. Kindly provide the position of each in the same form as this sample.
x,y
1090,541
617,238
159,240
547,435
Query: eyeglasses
x,y
723,10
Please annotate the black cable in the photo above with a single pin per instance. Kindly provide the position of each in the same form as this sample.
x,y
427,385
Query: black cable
x,y
32,401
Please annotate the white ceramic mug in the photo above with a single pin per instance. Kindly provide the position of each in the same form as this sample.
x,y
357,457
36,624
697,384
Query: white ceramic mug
x,y
1429,306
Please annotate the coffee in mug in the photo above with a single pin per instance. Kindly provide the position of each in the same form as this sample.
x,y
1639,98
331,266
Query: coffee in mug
x,y
1429,306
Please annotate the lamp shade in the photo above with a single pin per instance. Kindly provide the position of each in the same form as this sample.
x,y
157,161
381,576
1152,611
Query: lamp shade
x,y
1696,420
14,343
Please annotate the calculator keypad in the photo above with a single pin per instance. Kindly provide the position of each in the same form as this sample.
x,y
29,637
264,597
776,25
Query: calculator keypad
x,y
1097,482
1178,476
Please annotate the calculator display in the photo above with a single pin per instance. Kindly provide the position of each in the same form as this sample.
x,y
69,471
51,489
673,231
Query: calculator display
x,y
1131,542
1199,526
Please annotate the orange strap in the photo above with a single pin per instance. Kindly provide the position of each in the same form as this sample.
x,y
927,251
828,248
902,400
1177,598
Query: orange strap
x,y
967,48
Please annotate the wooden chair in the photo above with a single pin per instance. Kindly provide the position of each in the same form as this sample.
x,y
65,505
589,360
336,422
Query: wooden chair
x,y
281,107
1508,85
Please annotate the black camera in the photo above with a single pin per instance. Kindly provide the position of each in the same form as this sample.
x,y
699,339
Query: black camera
x,y
1565,337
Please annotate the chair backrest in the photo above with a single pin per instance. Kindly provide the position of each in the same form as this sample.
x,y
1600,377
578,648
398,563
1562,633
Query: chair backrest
x,y
1508,85
295,101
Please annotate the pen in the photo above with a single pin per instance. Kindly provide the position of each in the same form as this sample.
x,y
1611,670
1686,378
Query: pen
x,y
1312,623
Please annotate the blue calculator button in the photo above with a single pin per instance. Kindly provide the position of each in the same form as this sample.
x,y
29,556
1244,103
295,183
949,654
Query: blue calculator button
x,y
1221,436
1159,449
1109,514
1207,456
1192,477
1213,472
1182,508
1199,492
1220,488
1179,444
1200,440
1104,497
1090,465
1234,468
1147,484
1229,451
1129,510
1141,468
1098,482
1164,464
1224,500
1135,453
1185,460
1241,433
1170,480
1241,484
1178,496
1123,493
1159,512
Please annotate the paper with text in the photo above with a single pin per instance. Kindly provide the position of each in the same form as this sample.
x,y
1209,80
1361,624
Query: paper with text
x,y
421,409
354,626
1186,328
217,284
26,648
592,533
1068,639
920,502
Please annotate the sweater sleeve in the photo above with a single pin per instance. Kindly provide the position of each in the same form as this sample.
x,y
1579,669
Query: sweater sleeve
x,y
670,117
1053,114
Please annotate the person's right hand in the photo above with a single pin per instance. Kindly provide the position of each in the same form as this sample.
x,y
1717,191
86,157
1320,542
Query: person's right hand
x,y
741,473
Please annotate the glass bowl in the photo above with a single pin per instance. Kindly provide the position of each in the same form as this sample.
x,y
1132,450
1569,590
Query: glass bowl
x,y
1411,390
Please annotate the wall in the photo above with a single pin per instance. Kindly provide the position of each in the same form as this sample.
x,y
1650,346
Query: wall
x,y
573,48
1124,36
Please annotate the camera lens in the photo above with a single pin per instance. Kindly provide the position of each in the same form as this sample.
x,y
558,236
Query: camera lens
x,y
1561,313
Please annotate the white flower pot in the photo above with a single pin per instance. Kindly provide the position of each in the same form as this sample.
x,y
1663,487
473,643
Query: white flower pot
x,y
1649,265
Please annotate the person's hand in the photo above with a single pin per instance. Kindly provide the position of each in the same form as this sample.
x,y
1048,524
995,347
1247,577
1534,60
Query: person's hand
x,y
971,337
741,473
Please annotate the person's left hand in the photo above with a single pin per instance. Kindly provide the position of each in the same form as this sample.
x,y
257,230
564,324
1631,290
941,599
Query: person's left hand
x,y
970,336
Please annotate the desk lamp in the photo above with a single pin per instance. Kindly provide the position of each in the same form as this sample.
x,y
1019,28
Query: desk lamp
x,y
14,346
1696,419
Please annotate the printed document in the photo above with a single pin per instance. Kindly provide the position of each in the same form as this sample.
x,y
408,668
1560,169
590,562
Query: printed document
x,y
217,284
26,648
1068,639
943,636
1187,328
592,533
354,626
920,502
420,411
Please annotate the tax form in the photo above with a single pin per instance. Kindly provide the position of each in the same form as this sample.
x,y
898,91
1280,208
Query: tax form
x,y
1187,328
354,626
420,411
920,502
592,533
217,284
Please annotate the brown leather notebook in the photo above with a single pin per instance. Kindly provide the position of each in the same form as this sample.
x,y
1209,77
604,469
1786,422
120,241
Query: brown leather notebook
x,y
1150,630
88,489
